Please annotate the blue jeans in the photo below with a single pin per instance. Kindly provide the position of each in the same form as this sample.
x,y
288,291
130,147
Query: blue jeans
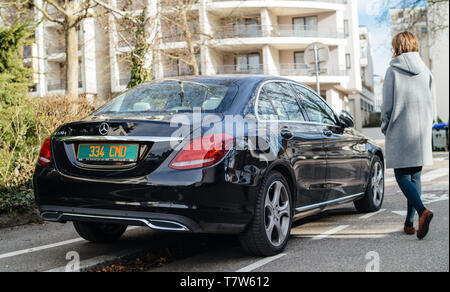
x,y
408,180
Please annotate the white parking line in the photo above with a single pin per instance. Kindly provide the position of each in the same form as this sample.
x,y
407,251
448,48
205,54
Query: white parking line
x,y
330,232
33,249
261,263
426,177
434,174
47,246
400,212
372,214
389,180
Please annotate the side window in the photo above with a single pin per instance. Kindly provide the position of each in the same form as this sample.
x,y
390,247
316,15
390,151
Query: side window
x,y
317,109
284,101
266,110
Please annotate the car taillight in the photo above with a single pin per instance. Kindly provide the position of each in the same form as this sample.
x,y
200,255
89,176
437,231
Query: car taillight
x,y
45,155
202,152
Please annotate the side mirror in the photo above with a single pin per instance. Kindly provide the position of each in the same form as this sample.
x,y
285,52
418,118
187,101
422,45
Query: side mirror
x,y
346,119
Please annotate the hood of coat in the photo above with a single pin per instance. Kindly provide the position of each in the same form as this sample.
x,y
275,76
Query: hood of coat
x,y
409,62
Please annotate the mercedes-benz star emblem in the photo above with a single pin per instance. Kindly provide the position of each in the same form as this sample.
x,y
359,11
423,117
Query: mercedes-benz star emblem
x,y
103,129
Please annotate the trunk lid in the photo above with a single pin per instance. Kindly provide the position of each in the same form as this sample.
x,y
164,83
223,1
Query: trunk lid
x,y
155,137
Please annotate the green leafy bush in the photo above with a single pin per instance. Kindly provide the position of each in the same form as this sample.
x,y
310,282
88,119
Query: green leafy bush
x,y
23,130
24,122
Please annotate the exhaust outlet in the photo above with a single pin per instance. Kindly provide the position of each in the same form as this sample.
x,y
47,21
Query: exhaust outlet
x,y
51,216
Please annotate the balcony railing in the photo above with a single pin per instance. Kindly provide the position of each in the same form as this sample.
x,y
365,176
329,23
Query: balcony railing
x,y
55,50
254,31
300,69
177,35
239,31
60,85
56,85
327,1
237,69
289,30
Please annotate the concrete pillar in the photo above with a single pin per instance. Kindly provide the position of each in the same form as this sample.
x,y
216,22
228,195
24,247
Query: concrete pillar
x,y
113,44
354,45
207,67
151,30
158,64
268,22
270,60
334,100
39,36
88,56
355,101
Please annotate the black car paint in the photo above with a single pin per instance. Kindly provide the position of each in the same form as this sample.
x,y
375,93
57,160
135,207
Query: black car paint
x,y
319,167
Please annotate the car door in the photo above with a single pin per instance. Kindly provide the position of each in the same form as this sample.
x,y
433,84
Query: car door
x,y
344,150
302,144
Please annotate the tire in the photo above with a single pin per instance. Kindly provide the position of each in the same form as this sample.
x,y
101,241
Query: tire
x,y
270,214
373,198
99,232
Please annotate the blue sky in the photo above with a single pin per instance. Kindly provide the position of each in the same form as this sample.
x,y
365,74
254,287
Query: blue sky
x,y
380,35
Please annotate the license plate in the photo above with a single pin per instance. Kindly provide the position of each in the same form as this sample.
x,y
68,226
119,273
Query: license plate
x,y
107,152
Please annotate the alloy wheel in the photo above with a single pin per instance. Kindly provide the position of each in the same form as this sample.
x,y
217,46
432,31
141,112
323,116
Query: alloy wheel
x,y
277,213
377,183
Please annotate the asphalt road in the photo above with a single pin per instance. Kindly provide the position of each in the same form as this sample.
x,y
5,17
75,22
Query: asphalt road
x,y
337,240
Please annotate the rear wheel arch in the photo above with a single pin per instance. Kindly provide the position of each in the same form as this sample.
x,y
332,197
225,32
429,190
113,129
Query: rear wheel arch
x,y
288,174
379,153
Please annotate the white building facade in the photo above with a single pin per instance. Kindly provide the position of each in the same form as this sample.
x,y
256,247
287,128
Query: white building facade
x,y
246,37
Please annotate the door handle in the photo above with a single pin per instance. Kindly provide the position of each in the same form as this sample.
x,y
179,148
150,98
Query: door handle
x,y
286,133
327,132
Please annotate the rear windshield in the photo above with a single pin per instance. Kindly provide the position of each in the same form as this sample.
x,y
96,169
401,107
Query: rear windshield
x,y
171,96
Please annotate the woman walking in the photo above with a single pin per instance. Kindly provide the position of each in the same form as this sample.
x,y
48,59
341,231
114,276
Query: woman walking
x,y
408,113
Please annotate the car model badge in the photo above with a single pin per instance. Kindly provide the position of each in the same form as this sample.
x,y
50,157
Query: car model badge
x,y
103,129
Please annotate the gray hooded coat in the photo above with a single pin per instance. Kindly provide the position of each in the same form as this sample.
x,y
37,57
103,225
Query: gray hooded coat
x,y
408,112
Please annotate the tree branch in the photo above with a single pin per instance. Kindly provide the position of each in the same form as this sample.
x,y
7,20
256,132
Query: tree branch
x,y
123,14
57,7
46,15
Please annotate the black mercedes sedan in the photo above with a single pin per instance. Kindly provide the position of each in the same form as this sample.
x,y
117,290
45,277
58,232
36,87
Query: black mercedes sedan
x,y
232,155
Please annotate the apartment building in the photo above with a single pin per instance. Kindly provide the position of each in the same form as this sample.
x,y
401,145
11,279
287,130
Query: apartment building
x,y
431,28
243,37
368,98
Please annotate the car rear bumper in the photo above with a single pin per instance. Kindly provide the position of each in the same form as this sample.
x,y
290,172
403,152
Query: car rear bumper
x,y
152,220
200,207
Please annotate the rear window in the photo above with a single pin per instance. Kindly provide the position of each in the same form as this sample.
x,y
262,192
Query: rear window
x,y
171,96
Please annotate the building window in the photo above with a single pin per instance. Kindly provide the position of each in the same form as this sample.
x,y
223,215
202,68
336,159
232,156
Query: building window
x,y
348,61
346,28
248,27
249,64
308,23
299,60
424,30
400,14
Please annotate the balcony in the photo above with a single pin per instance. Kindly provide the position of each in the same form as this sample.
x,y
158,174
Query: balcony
x,y
59,85
300,69
227,7
255,31
327,1
239,31
303,31
237,69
